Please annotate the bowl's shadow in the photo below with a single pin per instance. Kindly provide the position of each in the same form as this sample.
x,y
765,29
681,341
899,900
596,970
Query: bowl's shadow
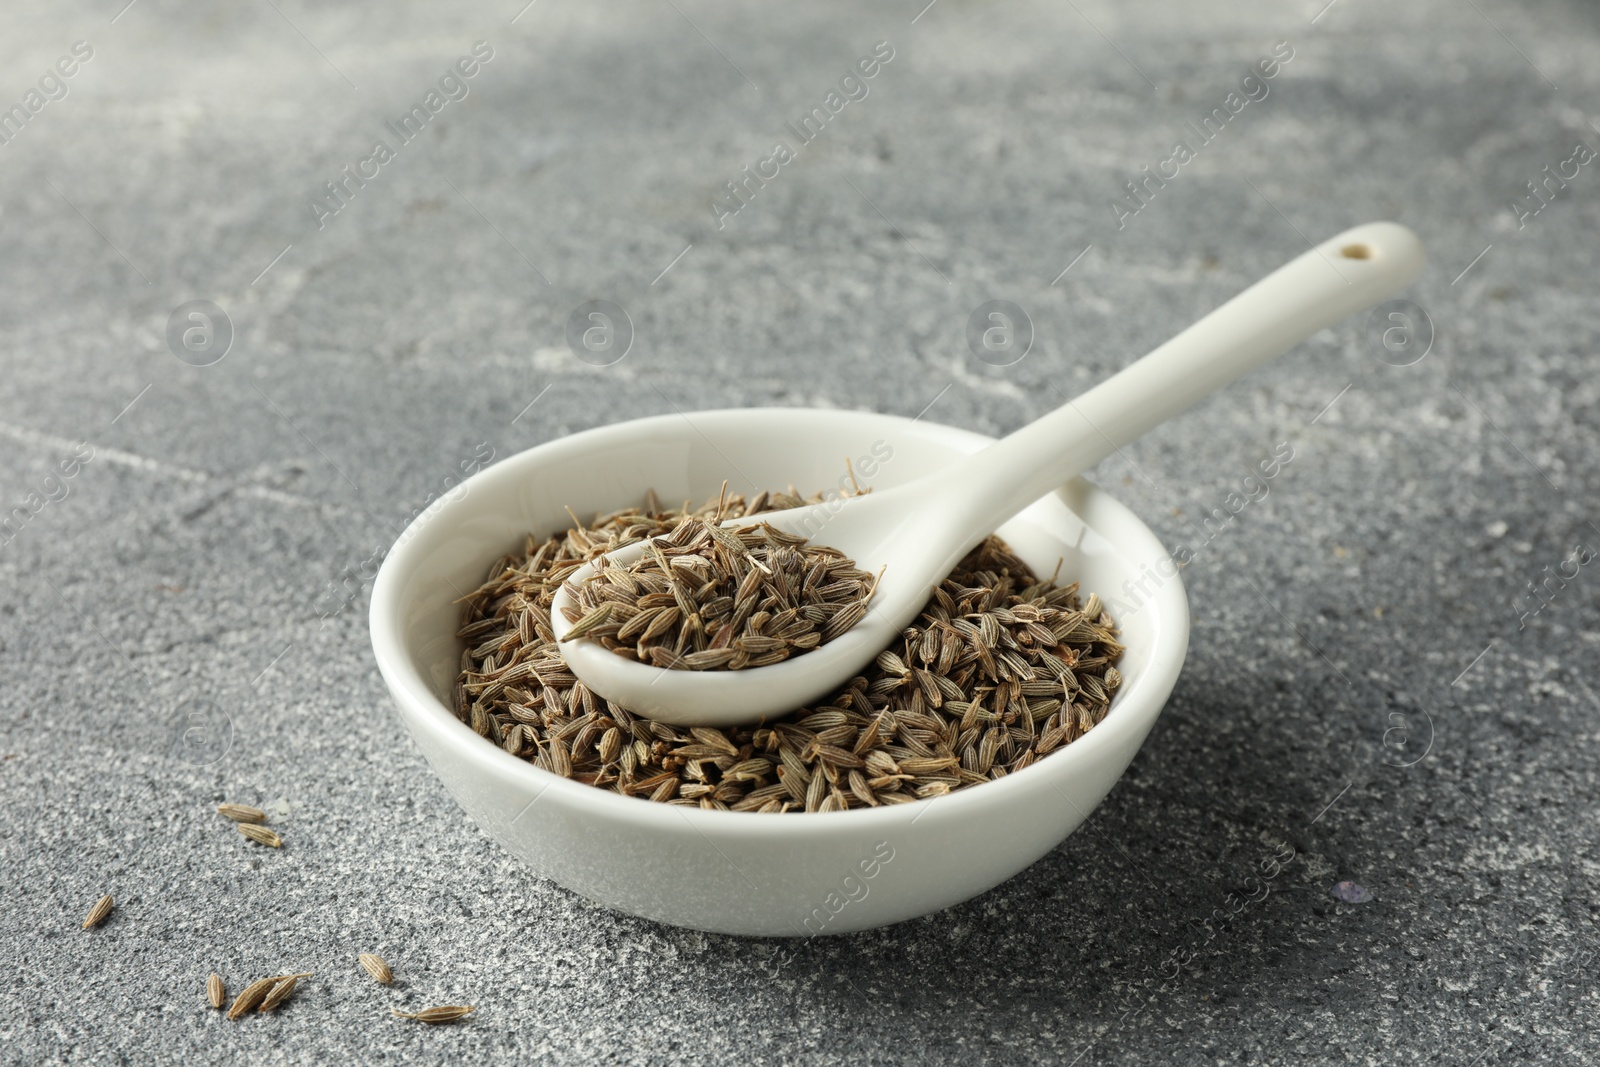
x,y
1187,885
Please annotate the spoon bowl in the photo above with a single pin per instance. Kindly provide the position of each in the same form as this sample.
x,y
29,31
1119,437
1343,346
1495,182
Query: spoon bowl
x,y
791,875
854,525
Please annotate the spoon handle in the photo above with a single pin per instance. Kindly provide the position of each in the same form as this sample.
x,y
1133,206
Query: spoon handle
x,y
1336,278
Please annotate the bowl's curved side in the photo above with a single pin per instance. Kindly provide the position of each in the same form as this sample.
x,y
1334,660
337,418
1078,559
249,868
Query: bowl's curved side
x,y
736,872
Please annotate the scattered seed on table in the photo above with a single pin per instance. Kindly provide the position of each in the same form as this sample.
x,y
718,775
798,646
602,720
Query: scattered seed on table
x,y
98,913
242,813
216,992
375,966
447,1013
261,835
252,996
280,993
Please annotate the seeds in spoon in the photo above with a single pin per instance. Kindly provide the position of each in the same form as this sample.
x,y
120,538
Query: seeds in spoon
x,y
446,1013
375,966
261,835
98,913
582,627
743,598
242,813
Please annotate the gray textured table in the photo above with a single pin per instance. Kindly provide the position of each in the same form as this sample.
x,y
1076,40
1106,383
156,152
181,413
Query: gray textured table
x,y
1371,691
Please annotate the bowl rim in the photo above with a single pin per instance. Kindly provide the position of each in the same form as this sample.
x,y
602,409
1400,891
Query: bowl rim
x,y
423,710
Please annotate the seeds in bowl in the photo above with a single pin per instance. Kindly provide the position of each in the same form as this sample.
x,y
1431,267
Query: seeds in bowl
x,y
705,598
1000,669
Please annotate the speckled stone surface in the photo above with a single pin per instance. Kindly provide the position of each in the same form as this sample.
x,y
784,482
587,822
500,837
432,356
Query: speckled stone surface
x,y
1369,696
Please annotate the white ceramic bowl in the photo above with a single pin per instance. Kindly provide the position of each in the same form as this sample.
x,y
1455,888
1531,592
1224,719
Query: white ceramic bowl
x,y
739,872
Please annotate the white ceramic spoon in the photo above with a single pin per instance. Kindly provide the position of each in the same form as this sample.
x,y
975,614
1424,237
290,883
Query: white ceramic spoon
x,y
919,531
